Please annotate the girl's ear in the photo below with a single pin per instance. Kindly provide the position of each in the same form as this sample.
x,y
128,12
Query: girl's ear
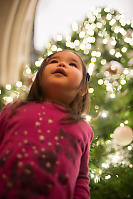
x,y
84,91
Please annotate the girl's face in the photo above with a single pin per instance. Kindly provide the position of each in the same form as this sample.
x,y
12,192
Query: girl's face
x,y
61,77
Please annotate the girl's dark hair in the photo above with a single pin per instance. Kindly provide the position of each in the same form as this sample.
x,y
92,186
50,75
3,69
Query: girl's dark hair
x,y
76,108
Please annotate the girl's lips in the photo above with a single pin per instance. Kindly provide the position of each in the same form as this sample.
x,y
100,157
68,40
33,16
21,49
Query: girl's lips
x,y
61,71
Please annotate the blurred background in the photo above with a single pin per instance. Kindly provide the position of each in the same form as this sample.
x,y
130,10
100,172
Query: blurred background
x,y
56,16
102,33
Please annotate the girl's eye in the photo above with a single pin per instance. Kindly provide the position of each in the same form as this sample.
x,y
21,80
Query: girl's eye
x,y
73,64
53,61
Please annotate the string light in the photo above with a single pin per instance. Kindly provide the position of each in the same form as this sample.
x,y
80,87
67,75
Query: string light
x,y
112,51
91,90
18,83
107,177
123,81
126,71
104,114
8,99
82,34
124,49
88,118
75,26
121,124
8,86
54,48
28,70
59,37
91,68
103,61
100,81
129,148
112,95
105,165
126,122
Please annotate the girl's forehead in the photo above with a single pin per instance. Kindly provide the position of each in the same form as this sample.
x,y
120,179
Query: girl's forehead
x,y
67,54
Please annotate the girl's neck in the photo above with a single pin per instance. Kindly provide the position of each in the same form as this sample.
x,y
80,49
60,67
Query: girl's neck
x,y
56,102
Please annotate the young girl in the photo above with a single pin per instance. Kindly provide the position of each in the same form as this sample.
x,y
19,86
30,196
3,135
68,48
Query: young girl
x,y
44,141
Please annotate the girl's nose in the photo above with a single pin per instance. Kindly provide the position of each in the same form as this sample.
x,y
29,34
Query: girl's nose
x,y
61,64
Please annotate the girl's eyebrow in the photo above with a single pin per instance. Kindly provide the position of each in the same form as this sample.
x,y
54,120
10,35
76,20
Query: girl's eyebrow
x,y
58,57
54,57
74,60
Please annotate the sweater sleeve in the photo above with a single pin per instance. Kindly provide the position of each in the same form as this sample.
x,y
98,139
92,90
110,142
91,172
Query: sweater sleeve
x,y
3,120
82,190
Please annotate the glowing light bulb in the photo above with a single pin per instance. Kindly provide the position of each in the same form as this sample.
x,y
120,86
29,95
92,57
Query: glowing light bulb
x,y
113,43
99,25
105,165
54,47
38,63
118,54
124,49
82,46
126,71
96,107
129,148
108,16
103,61
121,124
112,22
100,81
59,37
107,9
104,114
88,46
105,41
93,53
28,71
59,49
112,51
88,117
90,32
8,99
98,54
107,177
96,179
75,26
93,59
91,68
76,42
82,34
112,95
18,84
8,86
109,87
123,81
115,158
91,90
92,175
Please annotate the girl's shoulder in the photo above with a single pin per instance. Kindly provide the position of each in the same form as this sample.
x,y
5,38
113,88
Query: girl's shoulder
x,y
86,127
6,108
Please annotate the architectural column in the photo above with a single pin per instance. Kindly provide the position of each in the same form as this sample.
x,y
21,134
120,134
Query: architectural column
x,y
16,25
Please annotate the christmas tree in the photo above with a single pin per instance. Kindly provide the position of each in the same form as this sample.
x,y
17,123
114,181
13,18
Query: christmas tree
x,y
105,42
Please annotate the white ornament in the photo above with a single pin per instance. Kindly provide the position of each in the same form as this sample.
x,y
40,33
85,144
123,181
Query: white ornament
x,y
123,135
113,68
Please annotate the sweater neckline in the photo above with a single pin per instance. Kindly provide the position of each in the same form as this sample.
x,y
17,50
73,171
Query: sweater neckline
x,y
59,106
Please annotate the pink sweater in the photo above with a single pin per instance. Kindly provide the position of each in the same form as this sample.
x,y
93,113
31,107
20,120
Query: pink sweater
x,y
41,157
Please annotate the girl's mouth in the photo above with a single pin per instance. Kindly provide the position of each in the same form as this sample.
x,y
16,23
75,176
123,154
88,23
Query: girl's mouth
x,y
60,71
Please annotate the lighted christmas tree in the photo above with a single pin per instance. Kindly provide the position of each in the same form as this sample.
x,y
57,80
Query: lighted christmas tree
x,y
105,41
